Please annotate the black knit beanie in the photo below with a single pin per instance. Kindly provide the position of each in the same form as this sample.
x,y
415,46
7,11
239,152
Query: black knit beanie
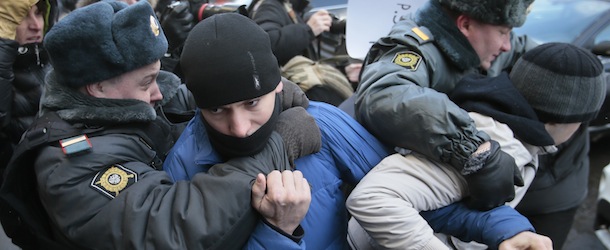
x,y
227,58
104,40
498,12
563,83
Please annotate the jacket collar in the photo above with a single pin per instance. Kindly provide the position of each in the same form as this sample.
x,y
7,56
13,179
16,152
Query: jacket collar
x,y
75,107
447,36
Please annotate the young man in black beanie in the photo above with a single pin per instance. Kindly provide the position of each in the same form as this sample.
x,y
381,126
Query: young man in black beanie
x,y
232,72
87,173
540,106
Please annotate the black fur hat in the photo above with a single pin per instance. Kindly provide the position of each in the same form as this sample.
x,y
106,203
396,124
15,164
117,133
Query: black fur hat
x,y
499,12
104,40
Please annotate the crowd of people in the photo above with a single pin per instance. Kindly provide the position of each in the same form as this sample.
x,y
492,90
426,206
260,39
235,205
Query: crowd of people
x,y
148,125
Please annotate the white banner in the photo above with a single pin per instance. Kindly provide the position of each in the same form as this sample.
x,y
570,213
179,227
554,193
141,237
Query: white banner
x,y
369,20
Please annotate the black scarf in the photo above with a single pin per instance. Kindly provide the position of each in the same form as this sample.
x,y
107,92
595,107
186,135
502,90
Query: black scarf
x,y
230,147
498,98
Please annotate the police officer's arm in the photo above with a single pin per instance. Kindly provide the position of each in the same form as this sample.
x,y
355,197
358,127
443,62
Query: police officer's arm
x,y
397,104
95,201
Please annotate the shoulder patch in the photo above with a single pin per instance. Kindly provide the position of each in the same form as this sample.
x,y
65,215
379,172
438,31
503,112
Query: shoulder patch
x,y
409,59
113,180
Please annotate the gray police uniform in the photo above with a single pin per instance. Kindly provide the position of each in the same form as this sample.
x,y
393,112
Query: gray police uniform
x,y
107,191
402,96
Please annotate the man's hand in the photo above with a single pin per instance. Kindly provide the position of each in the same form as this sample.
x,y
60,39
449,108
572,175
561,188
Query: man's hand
x,y
527,241
352,72
282,198
177,24
320,22
491,176
12,13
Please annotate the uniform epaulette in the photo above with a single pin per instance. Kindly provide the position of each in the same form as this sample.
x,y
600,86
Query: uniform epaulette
x,y
421,34
52,129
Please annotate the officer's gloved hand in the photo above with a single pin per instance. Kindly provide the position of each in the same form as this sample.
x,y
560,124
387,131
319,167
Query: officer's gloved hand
x,y
292,95
493,180
177,22
300,133
12,13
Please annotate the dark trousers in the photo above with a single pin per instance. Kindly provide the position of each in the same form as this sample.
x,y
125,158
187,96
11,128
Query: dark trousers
x,y
554,225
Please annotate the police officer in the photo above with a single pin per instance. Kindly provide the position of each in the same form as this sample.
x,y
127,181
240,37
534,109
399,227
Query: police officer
x,y
408,73
92,161
421,60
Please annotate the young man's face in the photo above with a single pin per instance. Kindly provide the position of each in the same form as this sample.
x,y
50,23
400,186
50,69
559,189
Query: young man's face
x,y
561,132
242,119
31,27
487,40
139,84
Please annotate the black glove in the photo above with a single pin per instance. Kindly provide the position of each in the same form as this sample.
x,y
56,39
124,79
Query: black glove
x,y
493,183
177,22
292,95
299,132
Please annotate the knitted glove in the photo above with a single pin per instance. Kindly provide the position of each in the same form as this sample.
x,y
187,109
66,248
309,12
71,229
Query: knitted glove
x,y
292,95
299,132
12,13
177,22
491,177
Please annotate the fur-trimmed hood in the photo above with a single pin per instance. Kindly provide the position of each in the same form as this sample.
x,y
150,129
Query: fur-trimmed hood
x,y
76,107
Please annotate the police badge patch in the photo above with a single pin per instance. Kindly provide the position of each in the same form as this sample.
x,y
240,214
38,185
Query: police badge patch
x,y
113,180
407,59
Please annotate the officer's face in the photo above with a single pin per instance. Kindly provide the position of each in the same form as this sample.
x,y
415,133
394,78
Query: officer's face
x,y
139,84
242,119
487,40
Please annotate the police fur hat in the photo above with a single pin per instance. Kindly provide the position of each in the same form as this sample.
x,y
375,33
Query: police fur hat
x,y
228,58
563,83
498,12
104,40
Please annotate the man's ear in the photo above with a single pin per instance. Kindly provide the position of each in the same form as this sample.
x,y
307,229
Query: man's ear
x,y
95,89
279,87
464,24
